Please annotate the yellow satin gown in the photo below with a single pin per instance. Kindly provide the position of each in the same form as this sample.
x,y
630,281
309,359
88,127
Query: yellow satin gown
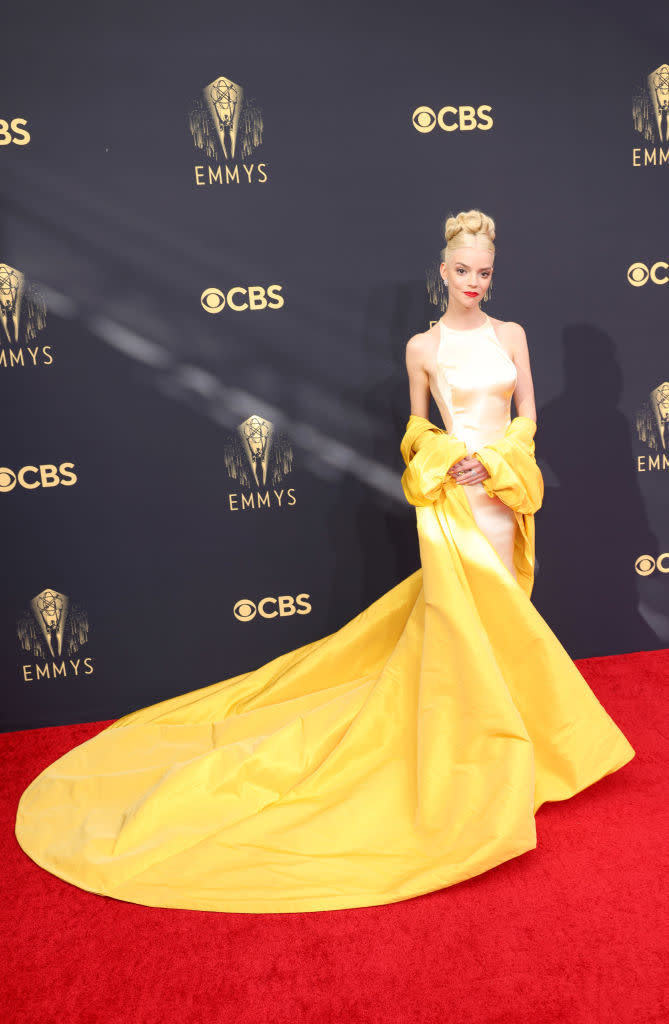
x,y
403,753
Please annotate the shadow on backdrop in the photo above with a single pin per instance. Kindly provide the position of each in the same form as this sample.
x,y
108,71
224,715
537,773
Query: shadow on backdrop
x,y
593,523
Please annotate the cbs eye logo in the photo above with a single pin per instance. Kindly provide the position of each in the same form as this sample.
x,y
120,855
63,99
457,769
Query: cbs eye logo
x,y
14,131
31,477
271,607
639,274
646,564
452,119
239,299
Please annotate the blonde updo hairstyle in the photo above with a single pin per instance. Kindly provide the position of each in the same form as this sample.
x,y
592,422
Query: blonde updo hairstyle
x,y
472,228
468,228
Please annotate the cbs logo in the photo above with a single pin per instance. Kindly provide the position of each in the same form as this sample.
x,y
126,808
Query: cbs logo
x,y
14,131
271,607
452,119
646,564
238,299
32,477
639,274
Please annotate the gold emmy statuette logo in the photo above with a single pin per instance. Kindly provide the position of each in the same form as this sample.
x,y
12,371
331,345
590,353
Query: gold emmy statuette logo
x,y
22,317
227,126
50,610
33,477
650,114
13,131
256,438
52,631
452,119
652,426
639,274
271,607
242,298
645,565
258,457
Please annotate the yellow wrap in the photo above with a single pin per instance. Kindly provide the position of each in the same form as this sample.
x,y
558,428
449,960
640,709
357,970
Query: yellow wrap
x,y
429,452
402,753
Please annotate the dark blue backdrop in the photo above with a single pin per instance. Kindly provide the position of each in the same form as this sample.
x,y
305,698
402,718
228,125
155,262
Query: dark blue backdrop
x,y
141,389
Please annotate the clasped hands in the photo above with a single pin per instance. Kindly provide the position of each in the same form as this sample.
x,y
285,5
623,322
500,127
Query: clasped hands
x,y
468,471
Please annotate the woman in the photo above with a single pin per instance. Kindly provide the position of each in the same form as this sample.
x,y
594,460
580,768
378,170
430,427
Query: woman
x,y
403,753
454,356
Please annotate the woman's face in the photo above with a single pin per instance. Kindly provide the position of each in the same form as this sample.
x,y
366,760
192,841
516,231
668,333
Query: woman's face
x,y
468,272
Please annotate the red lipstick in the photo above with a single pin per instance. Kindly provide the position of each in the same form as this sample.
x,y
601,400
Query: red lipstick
x,y
473,294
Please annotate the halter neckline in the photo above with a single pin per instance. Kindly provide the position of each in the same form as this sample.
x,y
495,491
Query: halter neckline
x,y
471,330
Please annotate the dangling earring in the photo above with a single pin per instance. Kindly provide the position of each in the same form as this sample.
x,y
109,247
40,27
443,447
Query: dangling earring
x,y
488,293
437,289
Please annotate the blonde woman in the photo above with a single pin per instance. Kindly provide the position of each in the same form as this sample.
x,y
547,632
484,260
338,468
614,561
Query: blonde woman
x,y
473,364
404,752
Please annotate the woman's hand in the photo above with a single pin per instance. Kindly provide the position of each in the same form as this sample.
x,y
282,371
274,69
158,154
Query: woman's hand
x,y
468,471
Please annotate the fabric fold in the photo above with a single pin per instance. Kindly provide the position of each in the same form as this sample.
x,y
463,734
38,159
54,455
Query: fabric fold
x,y
429,452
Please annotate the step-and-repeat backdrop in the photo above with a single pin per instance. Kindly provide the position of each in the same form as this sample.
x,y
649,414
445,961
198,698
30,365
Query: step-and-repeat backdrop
x,y
219,224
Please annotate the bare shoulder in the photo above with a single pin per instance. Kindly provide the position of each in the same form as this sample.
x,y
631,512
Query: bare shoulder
x,y
512,334
419,347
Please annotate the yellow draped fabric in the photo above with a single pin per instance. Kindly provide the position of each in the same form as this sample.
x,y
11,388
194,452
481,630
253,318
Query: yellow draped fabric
x,y
403,753
515,478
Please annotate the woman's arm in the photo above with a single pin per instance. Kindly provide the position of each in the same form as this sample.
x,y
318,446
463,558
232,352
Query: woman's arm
x,y
419,382
523,396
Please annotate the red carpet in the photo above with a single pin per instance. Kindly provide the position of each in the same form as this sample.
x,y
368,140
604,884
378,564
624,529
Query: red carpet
x,y
574,932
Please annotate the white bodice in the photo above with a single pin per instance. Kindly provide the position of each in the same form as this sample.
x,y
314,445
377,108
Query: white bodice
x,y
475,380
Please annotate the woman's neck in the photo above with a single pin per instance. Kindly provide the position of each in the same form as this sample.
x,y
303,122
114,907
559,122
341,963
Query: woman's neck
x,y
464,319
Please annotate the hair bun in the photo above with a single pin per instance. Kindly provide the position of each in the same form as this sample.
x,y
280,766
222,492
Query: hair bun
x,y
470,222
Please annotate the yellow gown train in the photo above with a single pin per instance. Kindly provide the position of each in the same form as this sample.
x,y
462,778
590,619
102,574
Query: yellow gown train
x,y
405,752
